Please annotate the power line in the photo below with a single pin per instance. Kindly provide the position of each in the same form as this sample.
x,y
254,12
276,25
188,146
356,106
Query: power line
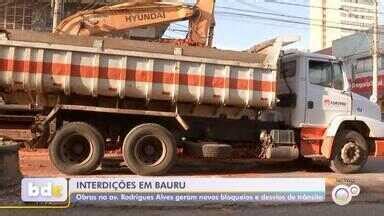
x,y
230,17
178,30
283,15
311,6
179,25
287,21
252,5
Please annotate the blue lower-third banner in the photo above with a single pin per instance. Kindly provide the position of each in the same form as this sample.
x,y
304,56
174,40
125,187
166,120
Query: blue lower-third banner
x,y
172,189
187,189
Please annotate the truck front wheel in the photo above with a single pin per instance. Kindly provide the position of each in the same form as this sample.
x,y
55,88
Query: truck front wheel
x,y
77,149
149,150
350,152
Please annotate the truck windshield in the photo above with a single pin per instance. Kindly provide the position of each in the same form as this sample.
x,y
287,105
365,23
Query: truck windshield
x,y
326,74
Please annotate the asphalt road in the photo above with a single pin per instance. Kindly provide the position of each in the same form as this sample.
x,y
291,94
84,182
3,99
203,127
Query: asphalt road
x,y
324,209
370,202
371,179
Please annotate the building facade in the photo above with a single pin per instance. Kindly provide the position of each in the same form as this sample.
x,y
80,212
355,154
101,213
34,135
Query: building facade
x,y
355,50
37,15
334,19
16,14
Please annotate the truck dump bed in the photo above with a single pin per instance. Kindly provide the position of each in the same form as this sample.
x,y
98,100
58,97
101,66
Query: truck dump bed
x,y
44,63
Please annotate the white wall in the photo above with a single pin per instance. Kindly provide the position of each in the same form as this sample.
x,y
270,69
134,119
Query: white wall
x,y
335,22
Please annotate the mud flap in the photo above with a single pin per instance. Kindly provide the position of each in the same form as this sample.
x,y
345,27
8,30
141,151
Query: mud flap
x,y
379,148
327,146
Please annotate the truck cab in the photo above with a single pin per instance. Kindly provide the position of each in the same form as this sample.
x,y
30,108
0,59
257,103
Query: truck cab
x,y
334,122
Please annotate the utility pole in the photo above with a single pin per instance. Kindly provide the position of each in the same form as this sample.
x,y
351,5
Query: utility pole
x,y
57,6
324,24
375,50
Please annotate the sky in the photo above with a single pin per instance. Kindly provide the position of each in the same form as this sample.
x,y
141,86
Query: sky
x,y
240,33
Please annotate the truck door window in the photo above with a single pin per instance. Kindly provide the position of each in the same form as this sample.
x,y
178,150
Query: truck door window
x,y
338,79
288,69
326,74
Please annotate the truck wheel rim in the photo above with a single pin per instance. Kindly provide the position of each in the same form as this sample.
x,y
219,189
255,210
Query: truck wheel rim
x,y
150,150
75,149
351,153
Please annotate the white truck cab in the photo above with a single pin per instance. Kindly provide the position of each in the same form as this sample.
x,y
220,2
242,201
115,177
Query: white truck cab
x,y
335,123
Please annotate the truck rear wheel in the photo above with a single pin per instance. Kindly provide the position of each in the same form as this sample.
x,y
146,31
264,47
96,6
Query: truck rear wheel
x,y
350,152
149,150
77,149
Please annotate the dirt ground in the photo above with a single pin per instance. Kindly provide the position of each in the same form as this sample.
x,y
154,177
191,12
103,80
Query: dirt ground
x,y
37,164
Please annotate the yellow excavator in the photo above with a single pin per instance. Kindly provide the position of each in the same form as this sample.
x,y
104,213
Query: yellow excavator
x,y
135,14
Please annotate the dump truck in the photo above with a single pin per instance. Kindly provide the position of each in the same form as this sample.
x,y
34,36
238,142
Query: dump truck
x,y
156,102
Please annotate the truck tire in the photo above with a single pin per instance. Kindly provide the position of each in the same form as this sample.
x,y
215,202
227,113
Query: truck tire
x,y
350,152
77,149
149,150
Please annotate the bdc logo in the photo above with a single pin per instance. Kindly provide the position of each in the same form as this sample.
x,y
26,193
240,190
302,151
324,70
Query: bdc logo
x,y
44,190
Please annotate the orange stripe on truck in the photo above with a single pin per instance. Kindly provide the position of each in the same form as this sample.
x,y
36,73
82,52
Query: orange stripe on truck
x,y
311,140
379,148
312,133
162,77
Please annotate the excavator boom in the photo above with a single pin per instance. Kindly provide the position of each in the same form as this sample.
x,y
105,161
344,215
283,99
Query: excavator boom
x,y
123,17
142,13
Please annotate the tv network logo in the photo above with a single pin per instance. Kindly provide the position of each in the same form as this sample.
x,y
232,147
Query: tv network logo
x,y
44,190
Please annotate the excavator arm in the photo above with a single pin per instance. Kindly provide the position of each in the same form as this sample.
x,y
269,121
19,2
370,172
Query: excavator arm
x,y
202,24
143,13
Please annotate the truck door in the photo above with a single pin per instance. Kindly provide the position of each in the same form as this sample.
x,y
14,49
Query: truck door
x,y
326,97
